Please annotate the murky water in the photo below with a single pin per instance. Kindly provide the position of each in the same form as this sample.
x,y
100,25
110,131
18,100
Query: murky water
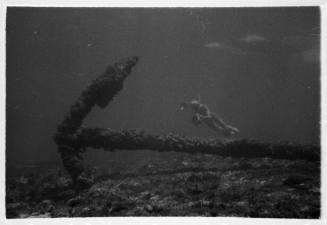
x,y
257,68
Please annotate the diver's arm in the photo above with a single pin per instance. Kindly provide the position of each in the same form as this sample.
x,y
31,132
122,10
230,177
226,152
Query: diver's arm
x,y
206,109
196,120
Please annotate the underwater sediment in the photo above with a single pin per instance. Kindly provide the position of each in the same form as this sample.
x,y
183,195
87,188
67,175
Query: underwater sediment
x,y
170,184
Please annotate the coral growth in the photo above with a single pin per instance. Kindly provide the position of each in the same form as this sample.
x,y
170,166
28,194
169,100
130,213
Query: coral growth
x,y
172,184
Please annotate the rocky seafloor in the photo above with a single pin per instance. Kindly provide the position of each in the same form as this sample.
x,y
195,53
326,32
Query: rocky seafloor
x,y
169,184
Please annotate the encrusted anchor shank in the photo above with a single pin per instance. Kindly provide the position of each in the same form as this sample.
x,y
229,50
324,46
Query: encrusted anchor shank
x,y
100,92
108,139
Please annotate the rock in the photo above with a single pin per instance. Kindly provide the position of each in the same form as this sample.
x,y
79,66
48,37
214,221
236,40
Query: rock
x,y
62,214
64,183
45,215
16,206
52,185
179,193
45,190
101,210
303,186
265,213
23,215
278,194
185,163
72,211
65,195
148,208
305,208
155,198
46,206
243,165
87,211
145,195
315,190
22,180
117,206
290,189
294,180
205,203
75,201
242,203
84,182
13,210
96,192
214,214
138,211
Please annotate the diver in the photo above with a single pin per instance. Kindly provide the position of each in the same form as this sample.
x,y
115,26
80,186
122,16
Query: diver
x,y
212,120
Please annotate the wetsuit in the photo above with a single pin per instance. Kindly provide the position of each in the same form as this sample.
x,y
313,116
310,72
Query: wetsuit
x,y
212,120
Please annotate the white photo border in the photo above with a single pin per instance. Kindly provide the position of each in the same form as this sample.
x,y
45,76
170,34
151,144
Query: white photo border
x,y
167,3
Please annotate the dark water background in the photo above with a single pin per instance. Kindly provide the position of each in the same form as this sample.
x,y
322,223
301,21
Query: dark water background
x,y
256,67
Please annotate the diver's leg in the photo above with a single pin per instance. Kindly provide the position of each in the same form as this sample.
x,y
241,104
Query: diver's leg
x,y
214,126
219,121
234,130
231,129
222,130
